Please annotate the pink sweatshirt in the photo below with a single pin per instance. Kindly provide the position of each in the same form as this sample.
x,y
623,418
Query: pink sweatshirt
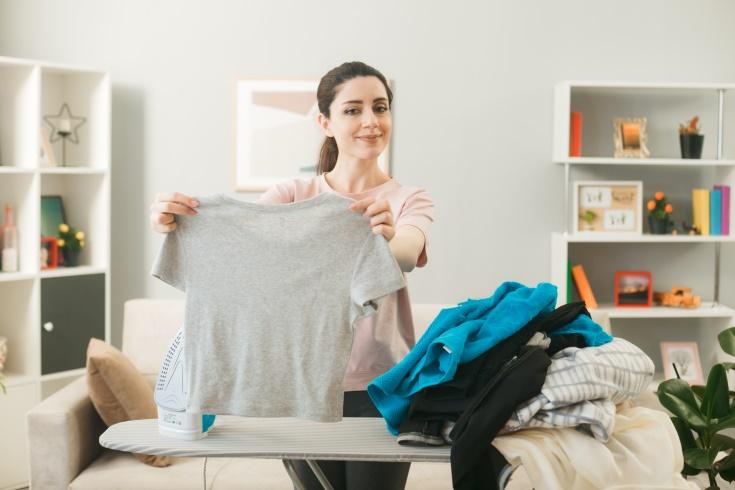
x,y
381,340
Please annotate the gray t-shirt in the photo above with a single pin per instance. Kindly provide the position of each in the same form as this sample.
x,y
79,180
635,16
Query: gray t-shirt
x,y
272,292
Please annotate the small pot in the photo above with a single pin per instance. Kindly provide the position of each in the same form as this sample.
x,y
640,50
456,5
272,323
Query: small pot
x,y
71,258
691,145
658,226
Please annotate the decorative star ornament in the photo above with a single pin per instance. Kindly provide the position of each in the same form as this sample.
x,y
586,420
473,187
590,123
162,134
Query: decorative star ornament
x,y
64,124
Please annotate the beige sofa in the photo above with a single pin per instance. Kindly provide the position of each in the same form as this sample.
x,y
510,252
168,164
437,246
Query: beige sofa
x,y
63,430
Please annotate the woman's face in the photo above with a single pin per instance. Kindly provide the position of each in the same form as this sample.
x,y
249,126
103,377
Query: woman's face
x,y
360,119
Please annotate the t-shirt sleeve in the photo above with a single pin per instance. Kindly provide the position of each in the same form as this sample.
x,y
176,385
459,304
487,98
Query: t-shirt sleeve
x,y
170,263
375,275
281,193
418,211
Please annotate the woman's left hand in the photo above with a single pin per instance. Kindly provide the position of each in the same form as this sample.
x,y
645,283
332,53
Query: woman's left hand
x,y
381,217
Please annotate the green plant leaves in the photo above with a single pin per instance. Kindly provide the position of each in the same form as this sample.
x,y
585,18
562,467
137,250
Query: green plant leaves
x,y
716,401
677,397
700,458
727,340
687,442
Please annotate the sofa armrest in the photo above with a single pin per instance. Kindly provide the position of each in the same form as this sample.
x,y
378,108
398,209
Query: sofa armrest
x,y
63,436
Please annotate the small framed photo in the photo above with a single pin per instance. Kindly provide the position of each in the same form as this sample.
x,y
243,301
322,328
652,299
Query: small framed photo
x,y
633,288
685,357
630,138
49,252
52,215
277,136
47,157
608,207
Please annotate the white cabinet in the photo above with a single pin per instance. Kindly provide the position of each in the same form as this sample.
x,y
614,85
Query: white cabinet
x,y
665,105
41,360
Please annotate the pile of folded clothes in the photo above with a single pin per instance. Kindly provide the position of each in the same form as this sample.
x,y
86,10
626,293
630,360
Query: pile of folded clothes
x,y
501,364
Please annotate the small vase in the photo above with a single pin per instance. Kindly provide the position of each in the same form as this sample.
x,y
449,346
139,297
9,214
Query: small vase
x,y
71,258
658,226
691,145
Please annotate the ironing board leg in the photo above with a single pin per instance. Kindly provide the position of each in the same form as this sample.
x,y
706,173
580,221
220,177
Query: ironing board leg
x,y
319,475
293,474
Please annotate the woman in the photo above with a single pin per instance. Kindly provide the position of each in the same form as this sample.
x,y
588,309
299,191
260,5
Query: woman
x,y
355,114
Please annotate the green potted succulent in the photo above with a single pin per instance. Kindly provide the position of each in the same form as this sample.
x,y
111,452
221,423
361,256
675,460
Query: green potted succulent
x,y
71,243
701,414
690,140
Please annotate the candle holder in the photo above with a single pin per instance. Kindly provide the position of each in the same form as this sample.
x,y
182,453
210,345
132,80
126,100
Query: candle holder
x,y
64,127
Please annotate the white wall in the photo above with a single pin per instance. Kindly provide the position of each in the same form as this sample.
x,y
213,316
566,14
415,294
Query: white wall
x,y
473,109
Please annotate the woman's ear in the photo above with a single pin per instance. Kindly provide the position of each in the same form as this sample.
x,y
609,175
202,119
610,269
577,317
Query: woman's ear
x,y
323,121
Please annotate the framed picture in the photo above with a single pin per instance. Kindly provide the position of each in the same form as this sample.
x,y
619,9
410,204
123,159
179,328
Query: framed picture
x,y
49,252
685,357
633,288
47,157
52,215
630,138
608,207
277,134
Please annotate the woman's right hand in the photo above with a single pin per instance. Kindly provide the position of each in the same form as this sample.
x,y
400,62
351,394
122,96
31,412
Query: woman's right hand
x,y
165,208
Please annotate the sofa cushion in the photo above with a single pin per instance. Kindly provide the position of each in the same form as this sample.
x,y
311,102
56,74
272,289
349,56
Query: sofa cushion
x,y
118,391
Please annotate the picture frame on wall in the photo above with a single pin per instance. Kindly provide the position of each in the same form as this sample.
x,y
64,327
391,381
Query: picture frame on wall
x,y
277,136
685,356
614,207
633,288
630,138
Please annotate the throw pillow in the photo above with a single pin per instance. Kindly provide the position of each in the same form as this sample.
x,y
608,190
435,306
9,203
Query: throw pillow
x,y
119,392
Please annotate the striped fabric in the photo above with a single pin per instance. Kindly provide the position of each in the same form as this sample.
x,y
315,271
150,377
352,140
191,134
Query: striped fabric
x,y
583,386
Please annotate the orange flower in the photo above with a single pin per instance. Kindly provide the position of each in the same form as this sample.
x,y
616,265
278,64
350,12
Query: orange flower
x,y
651,205
669,208
659,196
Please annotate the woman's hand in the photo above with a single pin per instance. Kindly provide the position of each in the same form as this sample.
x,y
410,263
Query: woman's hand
x,y
165,208
381,217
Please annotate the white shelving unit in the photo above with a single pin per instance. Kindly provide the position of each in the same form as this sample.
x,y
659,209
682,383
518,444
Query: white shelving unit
x,y
665,105
72,303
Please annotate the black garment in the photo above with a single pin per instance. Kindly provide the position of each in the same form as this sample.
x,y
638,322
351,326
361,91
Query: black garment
x,y
477,381
476,464
356,475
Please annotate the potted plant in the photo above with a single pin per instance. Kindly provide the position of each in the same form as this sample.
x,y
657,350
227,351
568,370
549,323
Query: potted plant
x,y
701,413
71,243
659,214
690,140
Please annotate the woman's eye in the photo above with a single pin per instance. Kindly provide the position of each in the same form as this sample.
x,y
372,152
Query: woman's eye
x,y
350,111
381,108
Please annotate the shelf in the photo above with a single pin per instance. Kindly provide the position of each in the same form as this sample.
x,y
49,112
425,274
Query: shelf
x,y
72,271
73,170
16,276
644,238
663,162
10,169
10,379
64,374
707,310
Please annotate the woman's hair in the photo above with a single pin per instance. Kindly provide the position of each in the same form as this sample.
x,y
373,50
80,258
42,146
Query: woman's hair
x,y
325,94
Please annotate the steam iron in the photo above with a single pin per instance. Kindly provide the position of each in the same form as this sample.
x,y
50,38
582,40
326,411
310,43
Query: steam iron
x,y
170,396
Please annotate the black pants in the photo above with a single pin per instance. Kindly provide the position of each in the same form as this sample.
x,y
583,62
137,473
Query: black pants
x,y
356,475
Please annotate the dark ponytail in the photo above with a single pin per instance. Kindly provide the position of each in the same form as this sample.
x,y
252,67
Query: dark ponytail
x,y
325,95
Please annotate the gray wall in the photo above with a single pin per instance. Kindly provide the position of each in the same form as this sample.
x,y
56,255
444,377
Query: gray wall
x,y
473,111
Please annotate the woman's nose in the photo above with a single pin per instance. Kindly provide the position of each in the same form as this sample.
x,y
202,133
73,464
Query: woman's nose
x,y
369,118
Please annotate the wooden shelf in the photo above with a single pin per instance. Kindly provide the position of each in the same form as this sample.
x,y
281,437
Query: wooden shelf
x,y
665,162
706,310
643,238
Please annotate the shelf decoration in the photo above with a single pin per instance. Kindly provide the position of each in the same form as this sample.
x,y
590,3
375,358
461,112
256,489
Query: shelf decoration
x,y
49,252
608,206
583,287
71,242
575,135
633,288
630,138
47,157
678,297
690,141
659,214
64,126
681,360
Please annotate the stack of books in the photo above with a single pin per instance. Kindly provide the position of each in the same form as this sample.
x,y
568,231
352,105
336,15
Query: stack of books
x,y
711,210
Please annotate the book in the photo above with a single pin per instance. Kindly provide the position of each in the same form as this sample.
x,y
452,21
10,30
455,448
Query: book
x,y
725,213
715,211
700,210
575,135
583,287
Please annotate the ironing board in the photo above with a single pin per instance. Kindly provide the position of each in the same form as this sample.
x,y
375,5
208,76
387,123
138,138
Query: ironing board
x,y
352,439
